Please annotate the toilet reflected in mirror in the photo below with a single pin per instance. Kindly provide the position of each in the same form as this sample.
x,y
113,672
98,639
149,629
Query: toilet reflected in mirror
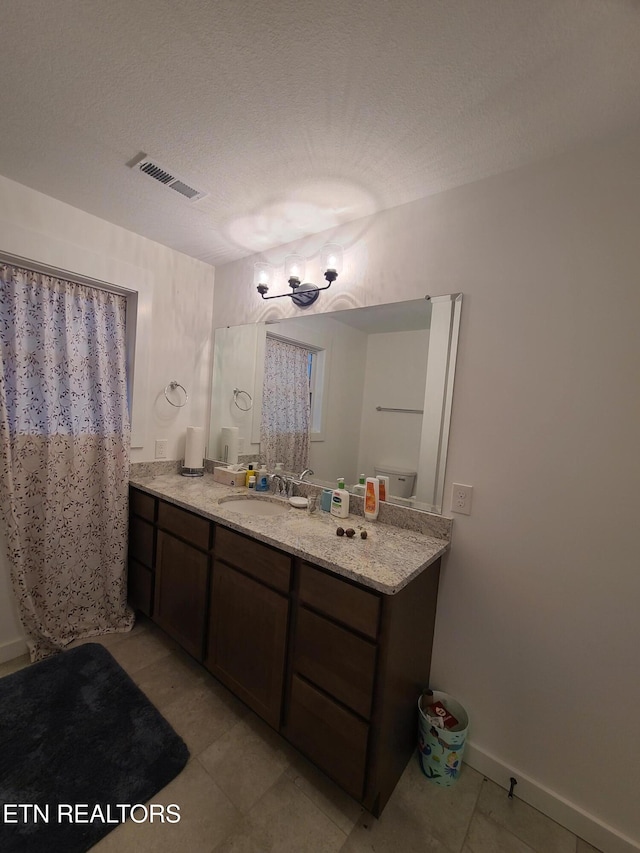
x,y
402,481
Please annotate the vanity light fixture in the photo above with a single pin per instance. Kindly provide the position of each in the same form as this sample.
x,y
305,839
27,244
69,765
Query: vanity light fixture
x,y
302,294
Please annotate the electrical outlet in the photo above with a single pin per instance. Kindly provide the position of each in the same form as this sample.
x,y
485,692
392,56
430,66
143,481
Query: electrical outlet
x,y
461,498
162,448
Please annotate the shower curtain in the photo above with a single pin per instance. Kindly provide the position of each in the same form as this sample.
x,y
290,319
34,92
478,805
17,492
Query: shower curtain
x,y
286,410
64,456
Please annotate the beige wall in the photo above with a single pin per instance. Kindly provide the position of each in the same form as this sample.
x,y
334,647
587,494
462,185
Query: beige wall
x,y
538,630
179,296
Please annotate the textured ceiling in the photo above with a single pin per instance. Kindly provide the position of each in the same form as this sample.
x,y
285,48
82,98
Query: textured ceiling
x,y
295,115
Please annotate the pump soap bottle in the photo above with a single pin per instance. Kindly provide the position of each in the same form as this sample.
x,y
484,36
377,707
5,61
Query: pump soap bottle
x,y
340,500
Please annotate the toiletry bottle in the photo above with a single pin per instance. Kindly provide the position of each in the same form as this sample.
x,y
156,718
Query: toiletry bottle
x,y
383,489
361,480
252,482
371,498
340,500
325,500
262,480
250,473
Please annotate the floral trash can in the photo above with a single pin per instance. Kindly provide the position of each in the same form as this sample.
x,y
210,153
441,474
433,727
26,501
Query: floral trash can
x,y
441,750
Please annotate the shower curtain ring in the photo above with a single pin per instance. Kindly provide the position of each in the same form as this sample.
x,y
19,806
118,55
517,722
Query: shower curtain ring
x,y
172,386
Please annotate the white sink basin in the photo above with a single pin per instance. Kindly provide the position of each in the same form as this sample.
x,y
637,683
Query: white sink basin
x,y
254,506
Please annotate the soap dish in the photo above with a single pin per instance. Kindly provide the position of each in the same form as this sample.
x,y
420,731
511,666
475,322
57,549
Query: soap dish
x,y
298,502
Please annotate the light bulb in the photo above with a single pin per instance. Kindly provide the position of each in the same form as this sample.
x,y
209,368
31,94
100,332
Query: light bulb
x,y
264,277
294,266
331,259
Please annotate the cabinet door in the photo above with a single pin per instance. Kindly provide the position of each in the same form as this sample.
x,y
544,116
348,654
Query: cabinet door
x,y
247,640
181,592
140,587
141,534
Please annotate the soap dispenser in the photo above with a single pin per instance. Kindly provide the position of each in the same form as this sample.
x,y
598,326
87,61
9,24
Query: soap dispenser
x,y
340,500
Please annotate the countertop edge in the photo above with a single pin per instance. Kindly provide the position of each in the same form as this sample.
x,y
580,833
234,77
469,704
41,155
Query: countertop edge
x,y
146,485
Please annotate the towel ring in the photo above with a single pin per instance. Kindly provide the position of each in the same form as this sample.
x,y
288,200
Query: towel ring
x,y
236,394
172,386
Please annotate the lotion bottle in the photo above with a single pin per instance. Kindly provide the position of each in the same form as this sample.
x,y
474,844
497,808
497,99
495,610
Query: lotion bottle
x,y
340,500
371,498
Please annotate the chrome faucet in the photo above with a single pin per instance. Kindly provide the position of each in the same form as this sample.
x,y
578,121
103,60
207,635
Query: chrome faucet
x,y
306,471
283,484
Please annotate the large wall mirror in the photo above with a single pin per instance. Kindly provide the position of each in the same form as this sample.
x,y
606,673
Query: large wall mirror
x,y
380,385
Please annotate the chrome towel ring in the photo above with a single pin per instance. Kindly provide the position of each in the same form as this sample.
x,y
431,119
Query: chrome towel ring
x,y
172,387
248,400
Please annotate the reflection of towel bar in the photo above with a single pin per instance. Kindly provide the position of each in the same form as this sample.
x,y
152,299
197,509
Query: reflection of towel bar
x,y
408,411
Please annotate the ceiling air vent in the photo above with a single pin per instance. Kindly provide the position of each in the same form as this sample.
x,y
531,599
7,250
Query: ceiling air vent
x,y
167,179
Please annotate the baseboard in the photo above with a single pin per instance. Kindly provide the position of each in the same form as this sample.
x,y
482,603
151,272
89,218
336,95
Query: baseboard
x,y
567,814
12,649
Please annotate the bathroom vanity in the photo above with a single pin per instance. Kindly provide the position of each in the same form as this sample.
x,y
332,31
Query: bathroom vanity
x,y
328,639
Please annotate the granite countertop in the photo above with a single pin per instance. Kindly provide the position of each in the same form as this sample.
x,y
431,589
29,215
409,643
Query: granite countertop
x,y
387,560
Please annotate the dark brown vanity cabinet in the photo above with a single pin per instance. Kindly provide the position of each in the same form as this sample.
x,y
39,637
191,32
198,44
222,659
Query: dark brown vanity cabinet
x,y
182,576
335,666
142,544
249,619
333,674
359,661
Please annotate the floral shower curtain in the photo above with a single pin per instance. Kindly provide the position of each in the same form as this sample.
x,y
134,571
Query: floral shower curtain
x,y
64,456
286,413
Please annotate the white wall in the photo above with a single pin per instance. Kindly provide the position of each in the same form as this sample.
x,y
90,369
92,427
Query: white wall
x,y
395,377
39,228
538,630
234,367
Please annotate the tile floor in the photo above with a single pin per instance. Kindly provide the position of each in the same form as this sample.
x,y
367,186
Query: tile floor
x,y
245,790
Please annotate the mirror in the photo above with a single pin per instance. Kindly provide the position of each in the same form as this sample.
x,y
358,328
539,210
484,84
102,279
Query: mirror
x,y
381,388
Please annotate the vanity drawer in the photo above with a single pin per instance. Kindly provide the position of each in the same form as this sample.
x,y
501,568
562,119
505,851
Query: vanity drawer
x,y
336,660
260,561
329,735
193,528
141,535
349,604
142,504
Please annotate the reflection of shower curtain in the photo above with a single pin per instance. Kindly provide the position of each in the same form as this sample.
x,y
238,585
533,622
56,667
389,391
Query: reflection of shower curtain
x,y
64,456
284,431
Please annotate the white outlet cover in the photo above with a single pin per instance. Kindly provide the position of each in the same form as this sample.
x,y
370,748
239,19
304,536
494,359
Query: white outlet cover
x,y
461,498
